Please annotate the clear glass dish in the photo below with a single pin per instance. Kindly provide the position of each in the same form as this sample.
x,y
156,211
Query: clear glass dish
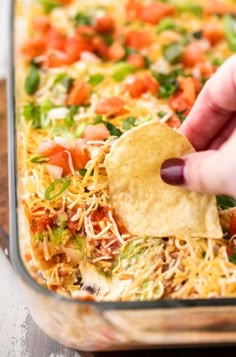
x,y
94,326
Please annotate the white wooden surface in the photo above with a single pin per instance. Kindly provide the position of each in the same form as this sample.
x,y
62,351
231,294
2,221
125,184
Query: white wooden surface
x,y
19,336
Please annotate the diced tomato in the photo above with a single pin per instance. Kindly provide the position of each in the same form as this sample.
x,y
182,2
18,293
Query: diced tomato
x,y
187,86
218,7
183,100
105,24
206,69
96,132
75,45
65,2
193,54
80,154
151,84
136,88
48,147
72,225
100,47
40,223
34,47
56,59
86,31
232,226
111,106
55,40
143,85
138,39
153,12
116,51
79,94
174,121
41,24
132,9
213,32
60,158
136,59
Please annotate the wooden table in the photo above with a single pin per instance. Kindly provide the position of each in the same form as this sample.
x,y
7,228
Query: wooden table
x,y
19,336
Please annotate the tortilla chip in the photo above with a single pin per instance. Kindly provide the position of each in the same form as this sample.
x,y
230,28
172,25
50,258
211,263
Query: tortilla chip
x,y
146,205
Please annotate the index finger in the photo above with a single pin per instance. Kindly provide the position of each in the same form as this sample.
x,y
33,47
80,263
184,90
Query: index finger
x,y
213,108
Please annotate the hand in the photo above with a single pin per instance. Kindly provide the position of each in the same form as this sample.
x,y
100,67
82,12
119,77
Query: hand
x,y
211,128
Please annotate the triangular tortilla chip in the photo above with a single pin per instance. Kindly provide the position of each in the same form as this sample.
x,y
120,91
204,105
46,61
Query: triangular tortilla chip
x,y
142,201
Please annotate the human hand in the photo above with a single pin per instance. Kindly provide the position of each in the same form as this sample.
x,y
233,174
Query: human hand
x,y
211,128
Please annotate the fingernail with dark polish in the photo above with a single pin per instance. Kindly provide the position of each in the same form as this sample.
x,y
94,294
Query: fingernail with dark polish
x,y
172,171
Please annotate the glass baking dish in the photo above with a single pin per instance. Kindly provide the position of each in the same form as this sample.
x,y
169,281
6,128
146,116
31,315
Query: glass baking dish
x,y
93,326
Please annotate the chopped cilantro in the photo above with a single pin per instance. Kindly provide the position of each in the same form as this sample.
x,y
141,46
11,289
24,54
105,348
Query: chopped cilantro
x,y
197,35
173,52
225,202
168,82
83,19
32,113
180,115
232,258
229,22
114,131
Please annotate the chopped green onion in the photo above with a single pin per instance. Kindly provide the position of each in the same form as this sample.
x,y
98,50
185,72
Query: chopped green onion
x,y
39,159
129,123
49,5
56,188
173,52
64,80
98,119
69,119
167,23
32,81
161,113
229,22
80,129
121,70
84,171
193,8
217,61
95,79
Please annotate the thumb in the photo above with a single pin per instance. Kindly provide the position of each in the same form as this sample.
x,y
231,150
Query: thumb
x,y
210,172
